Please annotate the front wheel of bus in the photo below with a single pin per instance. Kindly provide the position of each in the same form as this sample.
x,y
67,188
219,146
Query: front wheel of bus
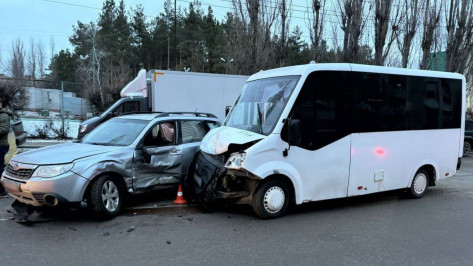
x,y
419,185
271,199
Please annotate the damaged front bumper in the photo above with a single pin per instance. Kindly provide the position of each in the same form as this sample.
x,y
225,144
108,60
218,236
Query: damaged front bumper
x,y
63,190
208,180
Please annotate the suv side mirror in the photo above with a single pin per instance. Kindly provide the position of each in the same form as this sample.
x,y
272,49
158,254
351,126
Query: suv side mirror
x,y
227,110
294,126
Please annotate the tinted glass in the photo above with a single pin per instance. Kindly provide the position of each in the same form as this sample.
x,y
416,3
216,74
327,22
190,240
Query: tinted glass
x,y
132,106
334,104
322,109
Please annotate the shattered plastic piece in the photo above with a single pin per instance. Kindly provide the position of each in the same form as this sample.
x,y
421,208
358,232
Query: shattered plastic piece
x,y
72,228
168,242
131,229
107,234
190,219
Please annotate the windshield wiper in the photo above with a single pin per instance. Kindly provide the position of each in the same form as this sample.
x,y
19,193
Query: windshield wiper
x,y
260,119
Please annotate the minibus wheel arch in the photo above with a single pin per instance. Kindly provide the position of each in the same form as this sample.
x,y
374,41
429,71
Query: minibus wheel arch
x,y
430,169
282,178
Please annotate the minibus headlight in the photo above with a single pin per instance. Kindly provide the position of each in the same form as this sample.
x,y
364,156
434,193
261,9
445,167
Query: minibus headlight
x,y
236,160
48,171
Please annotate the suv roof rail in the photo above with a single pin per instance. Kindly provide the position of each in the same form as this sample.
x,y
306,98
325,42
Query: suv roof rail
x,y
164,114
139,112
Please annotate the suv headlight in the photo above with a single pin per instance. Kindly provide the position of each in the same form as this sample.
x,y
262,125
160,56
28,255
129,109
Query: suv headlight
x,y
236,160
48,171
83,128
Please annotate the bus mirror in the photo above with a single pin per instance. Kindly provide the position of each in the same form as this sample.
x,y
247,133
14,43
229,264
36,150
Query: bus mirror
x,y
227,110
294,132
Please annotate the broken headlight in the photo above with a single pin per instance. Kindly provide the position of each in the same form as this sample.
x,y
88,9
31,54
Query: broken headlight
x,y
236,160
48,171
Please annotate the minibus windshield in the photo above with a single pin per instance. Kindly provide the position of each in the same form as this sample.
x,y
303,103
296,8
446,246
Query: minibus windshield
x,y
260,104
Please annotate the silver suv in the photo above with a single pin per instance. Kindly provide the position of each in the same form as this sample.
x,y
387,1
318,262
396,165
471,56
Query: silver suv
x,y
131,153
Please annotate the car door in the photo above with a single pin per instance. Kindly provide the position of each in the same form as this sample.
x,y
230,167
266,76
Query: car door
x,y
192,133
158,158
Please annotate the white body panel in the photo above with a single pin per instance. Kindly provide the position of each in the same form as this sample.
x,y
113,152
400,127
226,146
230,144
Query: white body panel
x,y
378,161
398,155
175,91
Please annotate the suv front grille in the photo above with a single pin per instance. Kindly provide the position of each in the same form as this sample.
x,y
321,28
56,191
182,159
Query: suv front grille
x,y
20,173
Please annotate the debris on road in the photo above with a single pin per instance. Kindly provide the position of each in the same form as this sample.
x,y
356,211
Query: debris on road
x,y
131,229
107,234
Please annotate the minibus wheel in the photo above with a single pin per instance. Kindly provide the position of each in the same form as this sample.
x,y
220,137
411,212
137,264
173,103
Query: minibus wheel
x,y
106,197
271,200
419,185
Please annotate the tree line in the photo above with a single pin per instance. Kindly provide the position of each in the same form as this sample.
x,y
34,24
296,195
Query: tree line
x,y
260,34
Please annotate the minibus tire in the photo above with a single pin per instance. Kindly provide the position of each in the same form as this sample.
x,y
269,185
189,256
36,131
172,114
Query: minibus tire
x,y
97,205
423,177
274,187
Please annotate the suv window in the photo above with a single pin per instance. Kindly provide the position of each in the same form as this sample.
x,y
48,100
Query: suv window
x,y
192,131
162,134
211,125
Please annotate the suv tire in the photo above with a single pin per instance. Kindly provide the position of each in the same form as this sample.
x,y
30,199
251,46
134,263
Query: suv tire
x,y
106,197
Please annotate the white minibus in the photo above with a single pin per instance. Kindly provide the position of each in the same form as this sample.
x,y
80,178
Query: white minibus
x,y
324,131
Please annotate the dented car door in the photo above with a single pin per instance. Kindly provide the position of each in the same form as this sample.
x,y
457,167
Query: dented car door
x,y
159,160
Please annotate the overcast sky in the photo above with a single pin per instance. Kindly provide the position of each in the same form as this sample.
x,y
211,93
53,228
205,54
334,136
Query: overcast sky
x,y
46,20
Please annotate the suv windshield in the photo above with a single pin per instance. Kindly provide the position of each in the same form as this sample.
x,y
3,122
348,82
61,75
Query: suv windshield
x,y
116,132
260,104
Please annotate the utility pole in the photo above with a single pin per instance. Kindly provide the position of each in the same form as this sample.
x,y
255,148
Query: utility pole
x,y
175,29
169,54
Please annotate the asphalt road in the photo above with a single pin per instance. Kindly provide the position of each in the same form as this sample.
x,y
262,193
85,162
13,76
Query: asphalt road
x,y
385,229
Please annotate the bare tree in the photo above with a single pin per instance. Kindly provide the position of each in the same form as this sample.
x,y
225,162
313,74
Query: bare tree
x,y
383,19
460,35
17,61
353,21
432,11
40,58
409,29
51,48
316,25
90,69
250,35
32,61
284,10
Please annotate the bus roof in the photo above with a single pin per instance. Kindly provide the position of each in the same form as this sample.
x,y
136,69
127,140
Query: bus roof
x,y
308,68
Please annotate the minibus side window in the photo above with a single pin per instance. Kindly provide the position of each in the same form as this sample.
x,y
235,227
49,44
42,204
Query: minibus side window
x,y
321,106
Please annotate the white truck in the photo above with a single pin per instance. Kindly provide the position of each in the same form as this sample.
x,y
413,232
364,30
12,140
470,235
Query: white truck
x,y
172,91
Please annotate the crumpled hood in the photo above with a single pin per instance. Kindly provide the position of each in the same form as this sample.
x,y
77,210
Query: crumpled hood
x,y
62,153
218,139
